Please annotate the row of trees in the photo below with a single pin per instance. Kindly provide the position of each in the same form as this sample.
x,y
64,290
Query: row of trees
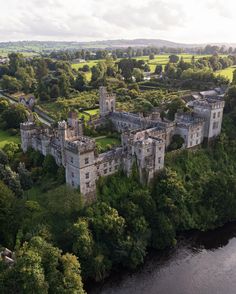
x,y
132,52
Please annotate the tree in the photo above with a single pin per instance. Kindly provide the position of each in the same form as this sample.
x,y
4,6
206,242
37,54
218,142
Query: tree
x,y
11,84
4,104
16,60
26,76
11,179
72,282
85,68
11,149
83,245
138,75
7,210
158,69
55,91
175,105
80,82
234,77
41,267
14,115
173,58
152,56
49,165
3,158
176,142
41,68
25,177
64,84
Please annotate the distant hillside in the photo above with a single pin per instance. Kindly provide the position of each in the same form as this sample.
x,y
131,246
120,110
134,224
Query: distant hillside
x,y
48,46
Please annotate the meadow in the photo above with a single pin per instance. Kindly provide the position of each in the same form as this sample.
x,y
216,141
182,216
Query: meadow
x,y
6,138
161,59
227,72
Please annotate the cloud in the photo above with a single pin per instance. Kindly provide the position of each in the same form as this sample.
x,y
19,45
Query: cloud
x,y
83,20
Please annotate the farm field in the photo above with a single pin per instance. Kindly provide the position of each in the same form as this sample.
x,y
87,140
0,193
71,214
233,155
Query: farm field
x,y
227,72
5,138
4,53
161,59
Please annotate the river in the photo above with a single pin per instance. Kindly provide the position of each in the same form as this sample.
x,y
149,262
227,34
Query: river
x,y
201,263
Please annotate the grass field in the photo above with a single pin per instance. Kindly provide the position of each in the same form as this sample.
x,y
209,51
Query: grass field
x,y
4,53
5,138
227,72
162,59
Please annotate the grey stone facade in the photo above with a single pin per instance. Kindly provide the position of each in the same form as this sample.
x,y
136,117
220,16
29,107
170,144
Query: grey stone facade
x,y
143,141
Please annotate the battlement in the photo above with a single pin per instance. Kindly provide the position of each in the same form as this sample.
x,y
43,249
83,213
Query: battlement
x,y
62,125
26,126
209,103
188,120
80,145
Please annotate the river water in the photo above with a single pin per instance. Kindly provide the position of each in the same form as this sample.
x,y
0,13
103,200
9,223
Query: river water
x,y
201,263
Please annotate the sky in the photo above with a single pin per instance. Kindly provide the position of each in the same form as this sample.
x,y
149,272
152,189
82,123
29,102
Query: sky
x,y
185,21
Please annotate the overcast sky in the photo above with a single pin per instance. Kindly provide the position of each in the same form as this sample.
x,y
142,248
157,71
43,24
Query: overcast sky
x,y
189,21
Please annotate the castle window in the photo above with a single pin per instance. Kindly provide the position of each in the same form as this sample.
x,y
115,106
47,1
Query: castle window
x,y
219,114
191,143
72,174
214,115
105,171
72,183
87,185
160,148
148,150
110,162
86,160
215,125
87,176
110,169
159,159
71,159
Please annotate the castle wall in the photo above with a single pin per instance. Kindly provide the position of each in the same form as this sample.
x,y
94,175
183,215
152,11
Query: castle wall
x,y
192,135
144,141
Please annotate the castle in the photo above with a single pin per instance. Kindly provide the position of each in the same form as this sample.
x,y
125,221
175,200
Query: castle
x,y
144,140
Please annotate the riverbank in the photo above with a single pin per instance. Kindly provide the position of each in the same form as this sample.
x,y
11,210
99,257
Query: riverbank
x,y
200,263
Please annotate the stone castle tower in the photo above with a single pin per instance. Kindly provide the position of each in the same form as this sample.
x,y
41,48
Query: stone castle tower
x,y
212,111
107,102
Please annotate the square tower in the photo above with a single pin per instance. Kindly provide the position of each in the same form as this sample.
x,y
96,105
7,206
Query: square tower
x,y
80,166
107,102
212,111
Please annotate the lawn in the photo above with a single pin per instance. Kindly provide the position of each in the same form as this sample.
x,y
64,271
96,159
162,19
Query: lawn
x,y
104,142
92,111
227,72
5,138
